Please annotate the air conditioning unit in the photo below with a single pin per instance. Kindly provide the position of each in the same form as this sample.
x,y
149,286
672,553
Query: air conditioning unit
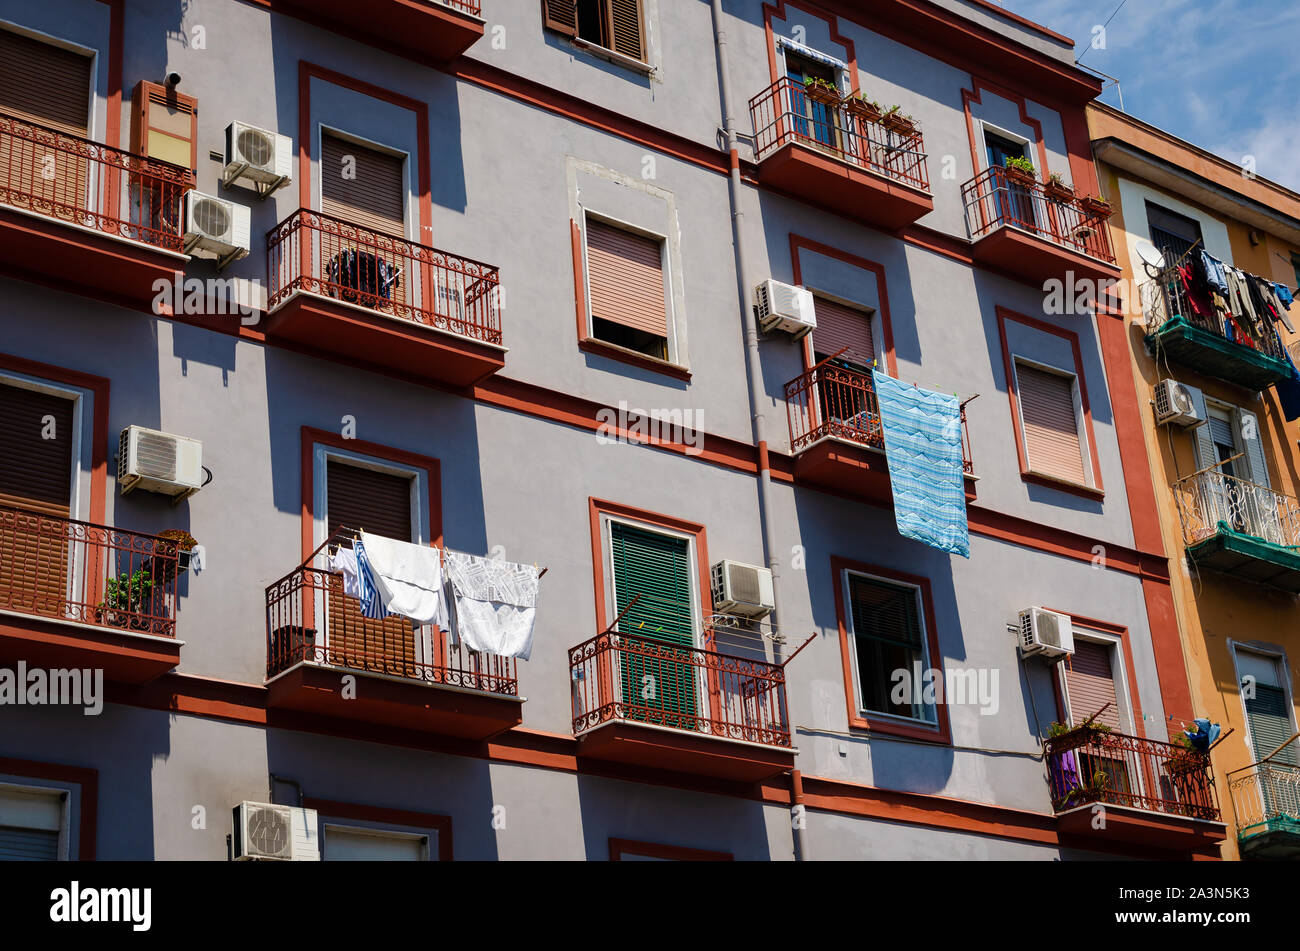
x,y
216,228
744,590
159,462
1046,633
1176,404
267,832
262,159
786,308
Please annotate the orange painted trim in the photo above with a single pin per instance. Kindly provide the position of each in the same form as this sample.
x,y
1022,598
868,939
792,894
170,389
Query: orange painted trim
x,y
675,853
800,243
1093,491
941,731
98,387
333,809
116,42
972,95
778,12
312,437
84,777
306,73
579,278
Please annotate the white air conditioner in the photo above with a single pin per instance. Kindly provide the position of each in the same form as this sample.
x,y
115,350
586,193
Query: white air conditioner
x,y
1046,633
744,590
159,462
216,227
267,832
263,160
786,308
1176,404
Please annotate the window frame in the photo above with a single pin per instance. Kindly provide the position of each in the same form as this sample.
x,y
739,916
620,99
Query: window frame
x,y
986,127
1085,459
607,521
1127,712
1278,656
604,47
875,322
65,792
410,188
365,818
618,848
373,830
76,502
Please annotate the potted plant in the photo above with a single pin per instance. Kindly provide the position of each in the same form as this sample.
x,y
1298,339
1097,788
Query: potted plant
x,y
895,121
128,601
1020,170
1095,206
866,109
1057,188
819,90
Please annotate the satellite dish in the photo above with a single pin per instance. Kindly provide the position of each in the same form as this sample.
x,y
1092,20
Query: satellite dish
x,y
1151,255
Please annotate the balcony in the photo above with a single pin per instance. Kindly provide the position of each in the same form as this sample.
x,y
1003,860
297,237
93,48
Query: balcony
x,y
709,713
1200,341
1153,793
825,151
1240,529
1266,799
344,290
836,438
427,31
408,677
86,217
77,595
1024,228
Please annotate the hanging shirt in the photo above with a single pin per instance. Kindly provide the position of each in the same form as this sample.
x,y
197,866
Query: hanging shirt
x,y
345,563
495,603
407,578
372,606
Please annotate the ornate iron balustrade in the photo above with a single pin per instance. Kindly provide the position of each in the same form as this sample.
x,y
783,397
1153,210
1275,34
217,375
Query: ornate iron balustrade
x,y
1086,766
997,198
1265,796
321,254
79,182
310,620
788,112
465,6
1207,500
635,679
834,401
1165,298
66,570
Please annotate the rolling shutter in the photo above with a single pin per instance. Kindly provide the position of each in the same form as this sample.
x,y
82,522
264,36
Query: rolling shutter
x,y
374,198
1051,427
561,15
840,326
29,825
626,276
164,124
624,20
379,503
1270,724
28,845
656,567
1090,683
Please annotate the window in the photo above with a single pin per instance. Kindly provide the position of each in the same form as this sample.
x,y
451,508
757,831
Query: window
x,y
1049,419
887,634
629,850
362,185
1172,233
627,289
815,120
1268,706
1295,266
612,24
351,844
1090,684
32,824
840,326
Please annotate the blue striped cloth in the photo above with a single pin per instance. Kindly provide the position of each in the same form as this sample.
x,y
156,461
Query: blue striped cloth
x,y
372,605
923,448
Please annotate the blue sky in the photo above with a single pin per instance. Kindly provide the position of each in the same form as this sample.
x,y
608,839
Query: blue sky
x,y
1222,74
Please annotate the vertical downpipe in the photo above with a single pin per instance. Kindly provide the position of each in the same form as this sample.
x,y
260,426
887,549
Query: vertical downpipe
x,y
754,369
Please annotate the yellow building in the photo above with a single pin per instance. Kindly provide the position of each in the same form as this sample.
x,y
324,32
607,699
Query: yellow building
x,y
1224,459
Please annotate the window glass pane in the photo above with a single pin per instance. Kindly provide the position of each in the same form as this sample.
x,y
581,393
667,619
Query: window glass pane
x,y
887,632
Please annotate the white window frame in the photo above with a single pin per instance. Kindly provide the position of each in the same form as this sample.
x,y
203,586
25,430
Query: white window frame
x,y
927,662
843,77
665,268
1002,133
875,319
1118,674
1283,669
65,794
1080,422
428,838
409,185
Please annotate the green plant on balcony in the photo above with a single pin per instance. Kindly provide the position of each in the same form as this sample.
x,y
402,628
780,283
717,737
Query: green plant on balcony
x,y
1058,189
1020,169
1095,206
859,105
128,601
896,121
1061,729
821,91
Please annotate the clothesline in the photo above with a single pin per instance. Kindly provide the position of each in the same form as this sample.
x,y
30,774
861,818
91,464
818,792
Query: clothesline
x,y
353,533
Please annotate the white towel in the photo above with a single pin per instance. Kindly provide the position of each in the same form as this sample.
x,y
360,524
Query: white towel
x,y
408,578
345,563
495,602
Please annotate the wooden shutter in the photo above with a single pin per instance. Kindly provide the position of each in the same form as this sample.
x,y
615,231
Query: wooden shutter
x,y
561,15
623,20
379,503
625,271
1252,439
887,630
165,125
656,567
1090,683
1050,424
1270,724
375,198
840,326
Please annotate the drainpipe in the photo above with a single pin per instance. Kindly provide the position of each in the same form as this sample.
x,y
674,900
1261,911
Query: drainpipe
x,y
753,364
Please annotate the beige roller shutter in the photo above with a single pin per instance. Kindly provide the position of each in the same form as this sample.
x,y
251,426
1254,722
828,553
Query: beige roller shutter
x,y
1051,426
374,198
840,326
44,84
625,272
1090,682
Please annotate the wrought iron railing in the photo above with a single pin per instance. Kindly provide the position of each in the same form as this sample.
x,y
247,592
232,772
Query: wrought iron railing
x,y
467,6
319,253
637,679
1265,796
1165,297
84,183
1090,765
310,620
998,197
834,401
788,112
62,569
1207,500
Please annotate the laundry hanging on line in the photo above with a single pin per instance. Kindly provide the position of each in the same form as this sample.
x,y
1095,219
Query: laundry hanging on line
x,y
494,603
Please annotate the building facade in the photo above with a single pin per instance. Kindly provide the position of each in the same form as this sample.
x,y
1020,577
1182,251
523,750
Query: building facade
x,y
1226,470
499,296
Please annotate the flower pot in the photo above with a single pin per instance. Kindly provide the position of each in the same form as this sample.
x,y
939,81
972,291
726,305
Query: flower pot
x,y
861,109
822,94
1059,191
1095,207
1018,175
900,125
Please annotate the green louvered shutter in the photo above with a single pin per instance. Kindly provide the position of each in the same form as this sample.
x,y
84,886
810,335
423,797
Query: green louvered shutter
x,y
656,567
1270,724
